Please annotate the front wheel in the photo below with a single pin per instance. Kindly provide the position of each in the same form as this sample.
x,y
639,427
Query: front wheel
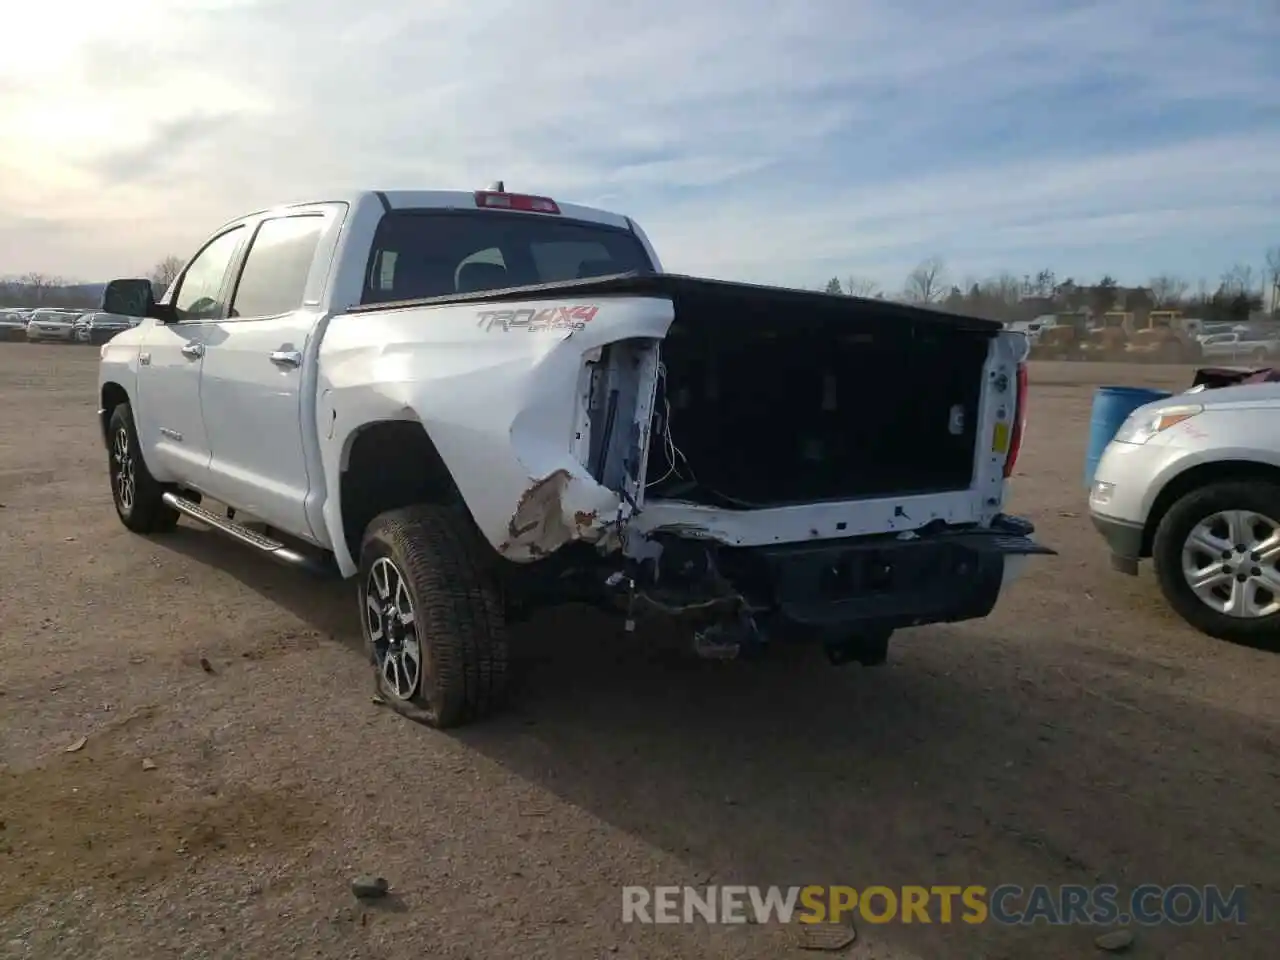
x,y
1217,559
432,617
137,495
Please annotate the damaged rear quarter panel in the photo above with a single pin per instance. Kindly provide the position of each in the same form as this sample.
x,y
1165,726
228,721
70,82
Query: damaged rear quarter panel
x,y
497,396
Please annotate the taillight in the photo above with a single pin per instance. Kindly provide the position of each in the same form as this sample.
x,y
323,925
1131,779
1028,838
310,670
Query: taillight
x,y
515,201
1019,422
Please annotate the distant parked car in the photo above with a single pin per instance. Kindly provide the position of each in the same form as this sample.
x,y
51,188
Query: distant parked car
x,y
50,324
13,325
1240,345
1212,327
98,327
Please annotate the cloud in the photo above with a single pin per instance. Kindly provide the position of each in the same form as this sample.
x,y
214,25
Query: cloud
x,y
770,140
156,158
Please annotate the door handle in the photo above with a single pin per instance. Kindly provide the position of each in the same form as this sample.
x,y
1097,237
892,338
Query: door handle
x,y
286,358
193,349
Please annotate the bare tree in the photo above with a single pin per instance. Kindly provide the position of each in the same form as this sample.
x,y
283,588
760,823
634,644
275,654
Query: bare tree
x,y
1005,289
165,272
1043,283
1168,290
859,287
1273,277
1239,279
38,288
926,283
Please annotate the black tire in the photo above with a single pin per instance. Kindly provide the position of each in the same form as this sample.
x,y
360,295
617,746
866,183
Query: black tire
x,y
459,623
144,511
1176,526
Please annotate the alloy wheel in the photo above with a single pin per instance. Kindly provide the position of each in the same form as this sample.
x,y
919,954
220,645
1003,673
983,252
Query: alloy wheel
x,y
122,470
392,624
1229,561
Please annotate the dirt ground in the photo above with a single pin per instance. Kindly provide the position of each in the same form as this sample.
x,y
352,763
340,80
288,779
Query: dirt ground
x,y
1081,734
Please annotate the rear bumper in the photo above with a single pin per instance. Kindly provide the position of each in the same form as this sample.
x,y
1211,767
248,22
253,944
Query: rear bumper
x,y
889,583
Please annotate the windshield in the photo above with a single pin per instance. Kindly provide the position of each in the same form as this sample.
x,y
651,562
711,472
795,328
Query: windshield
x,y
424,253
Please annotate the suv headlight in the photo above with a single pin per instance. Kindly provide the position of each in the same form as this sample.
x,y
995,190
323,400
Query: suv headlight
x,y
1142,425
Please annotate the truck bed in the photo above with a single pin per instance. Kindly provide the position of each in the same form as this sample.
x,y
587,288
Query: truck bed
x,y
708,297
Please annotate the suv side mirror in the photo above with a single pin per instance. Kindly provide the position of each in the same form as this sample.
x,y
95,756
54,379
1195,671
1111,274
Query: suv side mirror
x,y
129,298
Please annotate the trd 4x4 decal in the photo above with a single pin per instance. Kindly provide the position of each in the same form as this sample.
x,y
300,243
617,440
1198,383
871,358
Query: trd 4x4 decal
x,y
548,318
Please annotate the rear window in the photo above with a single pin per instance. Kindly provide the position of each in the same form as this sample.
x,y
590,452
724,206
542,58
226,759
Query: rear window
x,y
418,253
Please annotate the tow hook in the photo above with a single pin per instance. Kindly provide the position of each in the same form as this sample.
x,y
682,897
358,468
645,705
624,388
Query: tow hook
x,y
729,639
867,649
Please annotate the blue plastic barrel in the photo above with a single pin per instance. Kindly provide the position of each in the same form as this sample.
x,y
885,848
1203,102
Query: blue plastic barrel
x,y
1111,407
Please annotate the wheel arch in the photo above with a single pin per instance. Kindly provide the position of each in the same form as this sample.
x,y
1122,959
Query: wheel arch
x,y
1201,475
110,396
384,465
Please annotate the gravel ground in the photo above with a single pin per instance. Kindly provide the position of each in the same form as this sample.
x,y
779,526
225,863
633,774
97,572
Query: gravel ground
x,y
235,774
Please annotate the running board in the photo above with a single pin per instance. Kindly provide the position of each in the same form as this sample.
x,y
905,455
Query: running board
x,y
250,538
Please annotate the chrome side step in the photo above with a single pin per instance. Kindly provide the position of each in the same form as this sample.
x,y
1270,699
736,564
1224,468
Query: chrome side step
x,y
250,538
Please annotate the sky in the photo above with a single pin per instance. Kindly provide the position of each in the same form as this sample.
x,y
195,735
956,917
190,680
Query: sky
x,y
775,141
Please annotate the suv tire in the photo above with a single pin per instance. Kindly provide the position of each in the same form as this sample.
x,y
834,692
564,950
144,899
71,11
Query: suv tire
x,y
1198,509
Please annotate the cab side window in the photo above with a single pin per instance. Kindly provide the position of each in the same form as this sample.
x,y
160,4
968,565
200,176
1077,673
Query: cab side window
x,y
200,289
273,280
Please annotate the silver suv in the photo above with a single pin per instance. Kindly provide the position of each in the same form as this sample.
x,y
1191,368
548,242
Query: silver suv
x,y
1192,482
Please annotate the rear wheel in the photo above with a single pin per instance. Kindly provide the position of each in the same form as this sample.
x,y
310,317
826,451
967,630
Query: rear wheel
x,y
432,617
1217,558
137,495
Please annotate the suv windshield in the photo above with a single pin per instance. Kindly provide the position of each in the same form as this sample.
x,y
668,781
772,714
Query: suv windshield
x,y
426,253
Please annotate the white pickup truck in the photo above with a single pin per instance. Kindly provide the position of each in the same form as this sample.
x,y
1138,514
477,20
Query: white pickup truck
x,y
482,402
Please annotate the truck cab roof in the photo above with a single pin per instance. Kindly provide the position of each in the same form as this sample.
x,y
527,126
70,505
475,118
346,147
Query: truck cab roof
x,y
389,200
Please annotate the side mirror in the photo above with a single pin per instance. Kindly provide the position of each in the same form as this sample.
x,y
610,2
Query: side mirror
x,y
129,298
